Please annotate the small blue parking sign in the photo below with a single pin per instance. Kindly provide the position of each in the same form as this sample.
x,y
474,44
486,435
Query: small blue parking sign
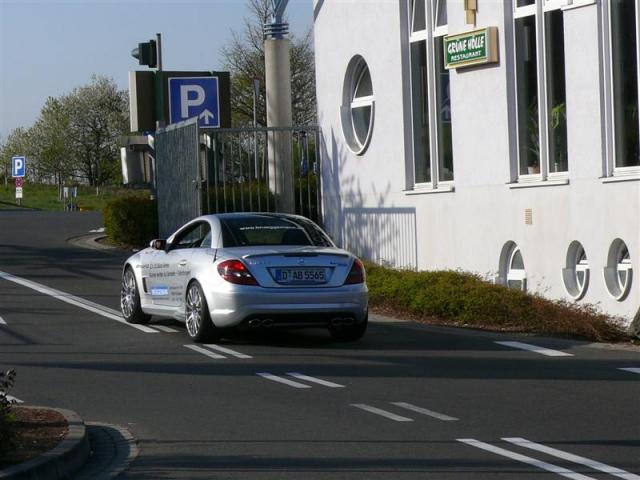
x,y
194,97
18,166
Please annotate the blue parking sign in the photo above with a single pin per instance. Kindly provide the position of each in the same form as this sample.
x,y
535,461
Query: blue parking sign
x,y
18,166
194,97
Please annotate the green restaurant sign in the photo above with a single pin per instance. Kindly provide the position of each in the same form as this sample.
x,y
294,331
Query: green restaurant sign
x,y
477,47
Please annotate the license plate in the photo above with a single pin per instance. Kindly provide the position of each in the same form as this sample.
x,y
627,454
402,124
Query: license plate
x,y
299,275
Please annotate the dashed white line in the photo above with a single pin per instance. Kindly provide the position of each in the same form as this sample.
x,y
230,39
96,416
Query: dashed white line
x,y
164,328
275,378
549,467
616,472
424,411
632,370
319,381
228,351
76,301
2,322
204,351
534,348
383,413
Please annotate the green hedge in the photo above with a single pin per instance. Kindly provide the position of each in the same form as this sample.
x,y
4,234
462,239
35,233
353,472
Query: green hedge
x,y
131,221
7,417
467,300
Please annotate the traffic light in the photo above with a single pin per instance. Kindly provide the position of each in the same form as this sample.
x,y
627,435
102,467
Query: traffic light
x,y
146,53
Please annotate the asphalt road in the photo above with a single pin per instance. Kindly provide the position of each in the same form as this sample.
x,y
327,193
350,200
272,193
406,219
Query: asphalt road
x,y
407,402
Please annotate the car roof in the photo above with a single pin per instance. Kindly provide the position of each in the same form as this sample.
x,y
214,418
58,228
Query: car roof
x,y
227,216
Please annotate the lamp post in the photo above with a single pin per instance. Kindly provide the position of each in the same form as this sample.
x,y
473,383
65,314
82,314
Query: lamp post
x,y
277,50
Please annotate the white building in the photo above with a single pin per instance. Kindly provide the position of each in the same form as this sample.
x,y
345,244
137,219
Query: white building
x,y
525,170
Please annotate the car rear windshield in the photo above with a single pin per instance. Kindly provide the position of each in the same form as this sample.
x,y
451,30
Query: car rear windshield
x,y
257,230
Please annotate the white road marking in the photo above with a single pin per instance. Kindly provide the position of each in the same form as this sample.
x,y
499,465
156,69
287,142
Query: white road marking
x,y
319,381
164,328
383,413
616,472
14,399
275,378
97,230
76,301
206,352
424,411
228,351
632,370
2,322
549,467
533,348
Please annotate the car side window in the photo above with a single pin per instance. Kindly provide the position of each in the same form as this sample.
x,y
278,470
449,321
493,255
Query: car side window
x,y
198,235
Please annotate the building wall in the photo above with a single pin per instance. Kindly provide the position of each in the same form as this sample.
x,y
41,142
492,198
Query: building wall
x,y
368,204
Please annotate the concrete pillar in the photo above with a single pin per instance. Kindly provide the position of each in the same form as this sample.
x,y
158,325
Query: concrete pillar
x,y
278,85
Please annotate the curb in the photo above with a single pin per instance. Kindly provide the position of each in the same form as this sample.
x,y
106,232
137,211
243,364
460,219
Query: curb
x,y
91,241
60,462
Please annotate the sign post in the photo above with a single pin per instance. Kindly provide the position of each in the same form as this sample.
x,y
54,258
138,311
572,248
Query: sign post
x,y
18,168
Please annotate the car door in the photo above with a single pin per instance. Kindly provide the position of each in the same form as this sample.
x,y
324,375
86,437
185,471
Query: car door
x,y
179,261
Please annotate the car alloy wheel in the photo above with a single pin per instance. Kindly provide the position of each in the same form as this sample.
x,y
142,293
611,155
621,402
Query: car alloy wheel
x,y
128,294
130,299
194,312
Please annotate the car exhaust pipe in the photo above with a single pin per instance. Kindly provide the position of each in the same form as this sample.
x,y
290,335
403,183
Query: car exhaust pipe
x,y
255,322
266,323
339,322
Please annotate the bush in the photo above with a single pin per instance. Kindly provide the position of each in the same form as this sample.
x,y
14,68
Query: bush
x,y
6,415
131,221
465,299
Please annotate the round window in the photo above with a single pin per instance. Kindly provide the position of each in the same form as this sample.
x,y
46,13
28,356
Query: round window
x,y
618,272
512,268
576,271
357,111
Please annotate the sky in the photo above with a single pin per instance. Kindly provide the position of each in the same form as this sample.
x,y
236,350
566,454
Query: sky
x,y
49,47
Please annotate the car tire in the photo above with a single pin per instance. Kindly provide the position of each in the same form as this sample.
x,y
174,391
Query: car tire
x,y
350,333
197,318
130,299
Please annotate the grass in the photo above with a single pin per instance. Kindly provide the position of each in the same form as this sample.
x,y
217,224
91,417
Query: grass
x,y
466,300
45,197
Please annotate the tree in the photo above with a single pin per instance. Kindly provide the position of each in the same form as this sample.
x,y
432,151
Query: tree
x,y
50,143
244,58
98,117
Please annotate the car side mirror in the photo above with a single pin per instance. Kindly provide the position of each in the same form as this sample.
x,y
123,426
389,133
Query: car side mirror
x,y
158,244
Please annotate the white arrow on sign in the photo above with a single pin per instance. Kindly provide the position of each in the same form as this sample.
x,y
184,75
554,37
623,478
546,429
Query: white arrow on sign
x,y
206,115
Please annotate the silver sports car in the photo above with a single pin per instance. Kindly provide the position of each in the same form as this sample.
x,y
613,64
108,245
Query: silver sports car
x,y
256,270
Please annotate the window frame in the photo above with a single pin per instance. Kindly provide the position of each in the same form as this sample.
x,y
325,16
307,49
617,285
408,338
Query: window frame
x,y
537,10
355,71
609,167
428,36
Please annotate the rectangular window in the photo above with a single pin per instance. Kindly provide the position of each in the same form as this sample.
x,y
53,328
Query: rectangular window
x,y
445,146
540,88
527,92
420,113
432,139
625,83
556,92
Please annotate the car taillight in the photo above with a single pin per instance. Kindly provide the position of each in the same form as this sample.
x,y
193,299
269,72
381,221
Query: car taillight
x,y
234,271
356,274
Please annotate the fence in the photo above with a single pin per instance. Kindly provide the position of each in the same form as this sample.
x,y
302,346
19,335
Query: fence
x,y
202,171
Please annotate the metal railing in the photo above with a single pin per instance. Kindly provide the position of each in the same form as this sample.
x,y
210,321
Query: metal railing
x,y
239,172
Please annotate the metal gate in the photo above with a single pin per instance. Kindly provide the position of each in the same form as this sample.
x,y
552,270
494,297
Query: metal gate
x,y
202,170
178,175
240,172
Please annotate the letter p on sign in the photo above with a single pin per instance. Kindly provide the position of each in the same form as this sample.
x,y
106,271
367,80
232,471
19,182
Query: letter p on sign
x,y
188,100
